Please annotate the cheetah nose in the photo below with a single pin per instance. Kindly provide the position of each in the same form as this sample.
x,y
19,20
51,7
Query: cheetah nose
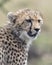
x,y
37,29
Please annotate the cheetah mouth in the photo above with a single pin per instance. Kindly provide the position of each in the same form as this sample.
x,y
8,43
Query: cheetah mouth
x,y
32,33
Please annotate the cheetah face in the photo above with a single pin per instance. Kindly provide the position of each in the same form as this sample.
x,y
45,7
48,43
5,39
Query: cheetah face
x,y
29,22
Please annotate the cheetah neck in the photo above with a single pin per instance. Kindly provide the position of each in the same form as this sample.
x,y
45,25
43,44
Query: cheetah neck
x,y
26,38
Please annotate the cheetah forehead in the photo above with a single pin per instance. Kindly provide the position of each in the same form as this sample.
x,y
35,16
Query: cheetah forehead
x,y
27,12
23,14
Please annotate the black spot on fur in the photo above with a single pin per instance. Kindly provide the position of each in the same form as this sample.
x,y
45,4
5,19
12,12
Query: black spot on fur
x,y
7,38
16,59
24,63
0,57
5,42
0,37
13,60
14,53
17,55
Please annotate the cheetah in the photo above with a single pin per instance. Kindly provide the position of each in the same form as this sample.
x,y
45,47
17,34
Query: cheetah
x,y
17,36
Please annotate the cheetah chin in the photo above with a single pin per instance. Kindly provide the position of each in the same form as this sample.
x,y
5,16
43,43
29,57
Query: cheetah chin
x,y
30,35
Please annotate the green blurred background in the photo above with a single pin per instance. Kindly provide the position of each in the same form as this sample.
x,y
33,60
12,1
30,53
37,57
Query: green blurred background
x,y
42,46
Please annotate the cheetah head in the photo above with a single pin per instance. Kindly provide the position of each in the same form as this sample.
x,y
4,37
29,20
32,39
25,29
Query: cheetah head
x,y
28,22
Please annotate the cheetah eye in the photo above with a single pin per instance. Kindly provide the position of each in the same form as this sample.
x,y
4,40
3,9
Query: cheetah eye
x,y
14,20
39,20
28,20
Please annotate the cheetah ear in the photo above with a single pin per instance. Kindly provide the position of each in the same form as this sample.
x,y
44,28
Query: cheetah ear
x,y
11,16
